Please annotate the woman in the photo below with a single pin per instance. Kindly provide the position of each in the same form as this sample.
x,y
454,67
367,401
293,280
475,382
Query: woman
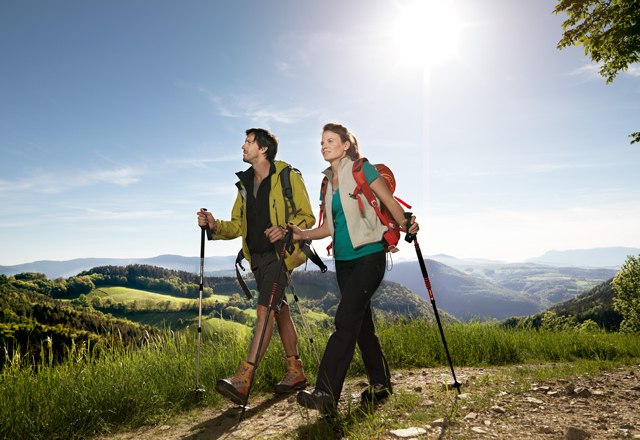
x,y
360,264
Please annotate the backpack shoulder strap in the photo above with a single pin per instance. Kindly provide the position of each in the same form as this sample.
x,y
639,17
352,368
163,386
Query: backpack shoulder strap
x,y
287,191
323,193
362,186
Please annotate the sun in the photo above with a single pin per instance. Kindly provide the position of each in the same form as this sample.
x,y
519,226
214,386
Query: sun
x,y
426,32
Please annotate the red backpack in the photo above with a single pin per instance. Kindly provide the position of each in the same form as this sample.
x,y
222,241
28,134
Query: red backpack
x,y
392,236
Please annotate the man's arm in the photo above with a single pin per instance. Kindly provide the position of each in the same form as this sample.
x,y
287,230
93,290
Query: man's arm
x,y
228,229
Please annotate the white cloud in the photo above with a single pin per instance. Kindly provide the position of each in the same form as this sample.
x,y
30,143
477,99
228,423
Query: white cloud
x,y
109,215
48,182
591,71
285,68
249,106
195,162
634,70
587,72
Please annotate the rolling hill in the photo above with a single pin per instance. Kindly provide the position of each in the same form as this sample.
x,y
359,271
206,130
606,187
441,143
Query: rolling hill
x,y
467,289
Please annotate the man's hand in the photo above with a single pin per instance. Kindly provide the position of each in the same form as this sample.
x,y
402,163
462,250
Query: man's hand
x,y
275,233
206,220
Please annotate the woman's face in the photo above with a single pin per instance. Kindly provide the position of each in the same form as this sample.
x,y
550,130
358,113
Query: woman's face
x,y
332,147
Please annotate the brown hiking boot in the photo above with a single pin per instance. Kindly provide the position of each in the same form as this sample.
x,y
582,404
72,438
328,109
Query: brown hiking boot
x,y
236,388
294,379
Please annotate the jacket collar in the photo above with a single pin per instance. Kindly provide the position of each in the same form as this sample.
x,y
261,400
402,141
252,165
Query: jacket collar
x,y
344,162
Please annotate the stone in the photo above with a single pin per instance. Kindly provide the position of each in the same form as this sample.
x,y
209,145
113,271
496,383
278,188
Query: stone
x,y
498,409
478,430
582,392
576,434
471,416
570,389
408,432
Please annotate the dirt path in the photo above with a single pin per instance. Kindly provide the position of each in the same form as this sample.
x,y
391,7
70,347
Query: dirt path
x,y
502,403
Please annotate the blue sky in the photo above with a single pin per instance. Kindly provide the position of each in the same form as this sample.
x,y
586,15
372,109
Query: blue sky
x,y
118,120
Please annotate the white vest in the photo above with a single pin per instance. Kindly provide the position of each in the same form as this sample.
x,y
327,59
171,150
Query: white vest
x,y
364,227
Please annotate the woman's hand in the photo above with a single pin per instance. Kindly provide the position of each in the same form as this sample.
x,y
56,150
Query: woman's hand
x,y
413,229
297,232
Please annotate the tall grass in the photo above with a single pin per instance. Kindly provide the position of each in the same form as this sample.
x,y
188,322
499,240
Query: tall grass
x,y
418,343
122,388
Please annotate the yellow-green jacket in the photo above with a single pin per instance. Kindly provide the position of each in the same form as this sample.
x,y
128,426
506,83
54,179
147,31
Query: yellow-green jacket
x,y
303,217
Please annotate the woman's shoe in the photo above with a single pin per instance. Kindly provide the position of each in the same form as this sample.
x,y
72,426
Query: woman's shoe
x,y
375,393
318,400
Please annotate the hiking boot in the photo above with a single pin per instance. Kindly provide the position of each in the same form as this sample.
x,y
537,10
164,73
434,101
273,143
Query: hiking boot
x,y
318,400
236,388
294,379
375,393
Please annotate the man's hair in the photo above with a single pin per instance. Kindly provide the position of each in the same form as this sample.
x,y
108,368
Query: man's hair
x,y
265,139
345,136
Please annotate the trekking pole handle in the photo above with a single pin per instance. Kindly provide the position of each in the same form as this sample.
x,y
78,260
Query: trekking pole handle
x,y
409,237
204,210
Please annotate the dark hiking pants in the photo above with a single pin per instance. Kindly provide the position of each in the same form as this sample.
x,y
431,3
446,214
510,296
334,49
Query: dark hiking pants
x,y
358,280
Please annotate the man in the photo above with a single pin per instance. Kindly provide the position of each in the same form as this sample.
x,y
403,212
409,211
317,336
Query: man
x,y
260,215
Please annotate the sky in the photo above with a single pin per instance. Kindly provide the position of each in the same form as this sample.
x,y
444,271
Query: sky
x,y
119,120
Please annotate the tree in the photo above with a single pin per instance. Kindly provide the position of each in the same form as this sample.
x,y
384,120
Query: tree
x,y
79,285
609,30
627,301
554,322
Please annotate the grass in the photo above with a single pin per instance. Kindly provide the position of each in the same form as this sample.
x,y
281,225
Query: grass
x,y
126,388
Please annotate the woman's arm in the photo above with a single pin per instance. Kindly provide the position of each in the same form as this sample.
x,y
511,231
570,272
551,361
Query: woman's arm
x,y
381,190
310,234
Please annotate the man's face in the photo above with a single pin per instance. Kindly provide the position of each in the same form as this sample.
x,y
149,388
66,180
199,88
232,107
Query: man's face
x,y
250,150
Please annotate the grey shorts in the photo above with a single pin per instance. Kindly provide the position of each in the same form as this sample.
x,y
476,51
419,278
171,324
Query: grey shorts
x,y
266,269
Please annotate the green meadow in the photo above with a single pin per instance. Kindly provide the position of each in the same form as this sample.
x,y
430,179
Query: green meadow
x,y
125,295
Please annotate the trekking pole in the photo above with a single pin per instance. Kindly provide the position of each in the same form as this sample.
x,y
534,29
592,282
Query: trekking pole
x,y
412,237
274,290
304,321
198,389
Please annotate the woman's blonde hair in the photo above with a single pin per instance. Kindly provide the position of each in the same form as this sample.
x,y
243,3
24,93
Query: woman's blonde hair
x,y
345,136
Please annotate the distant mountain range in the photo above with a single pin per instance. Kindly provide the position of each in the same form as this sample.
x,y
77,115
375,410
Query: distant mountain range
x,y
467,289
609,257
497,291
599,257
56,269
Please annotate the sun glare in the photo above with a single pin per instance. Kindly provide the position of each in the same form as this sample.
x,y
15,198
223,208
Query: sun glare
x,y
426,32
